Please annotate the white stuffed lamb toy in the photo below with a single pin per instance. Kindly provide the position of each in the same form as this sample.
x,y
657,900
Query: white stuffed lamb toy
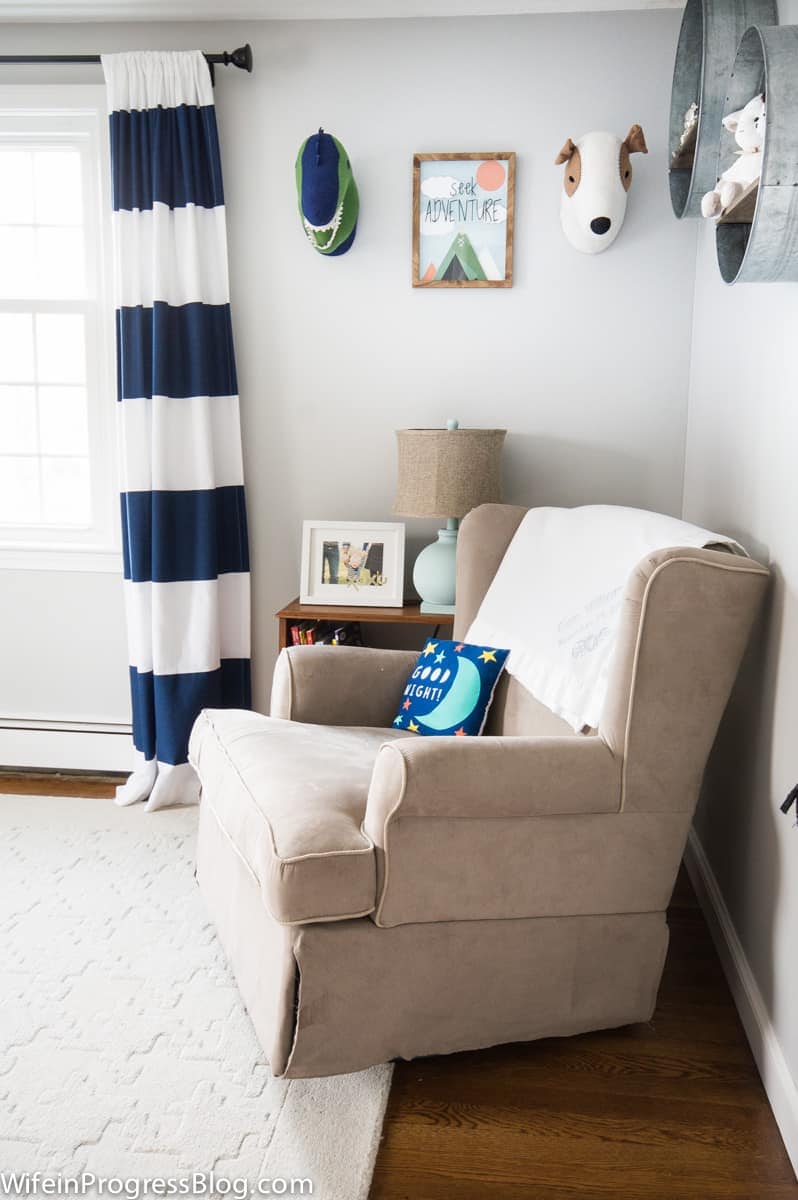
x,y
748,127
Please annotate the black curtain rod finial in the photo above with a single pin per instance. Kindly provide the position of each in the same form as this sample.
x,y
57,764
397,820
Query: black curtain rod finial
x,y
241,58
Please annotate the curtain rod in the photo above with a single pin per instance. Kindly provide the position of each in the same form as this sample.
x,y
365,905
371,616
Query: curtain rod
x,y
242,58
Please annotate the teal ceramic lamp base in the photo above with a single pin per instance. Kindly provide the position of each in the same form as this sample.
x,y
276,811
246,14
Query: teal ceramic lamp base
x,y
434,571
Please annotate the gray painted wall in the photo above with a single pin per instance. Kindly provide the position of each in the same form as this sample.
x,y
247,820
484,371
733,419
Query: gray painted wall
x,y
740,475
584,360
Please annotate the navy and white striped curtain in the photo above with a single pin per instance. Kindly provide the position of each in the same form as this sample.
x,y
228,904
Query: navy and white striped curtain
x,y
184,526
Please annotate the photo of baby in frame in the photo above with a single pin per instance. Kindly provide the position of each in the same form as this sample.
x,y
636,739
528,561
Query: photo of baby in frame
x,y
352,563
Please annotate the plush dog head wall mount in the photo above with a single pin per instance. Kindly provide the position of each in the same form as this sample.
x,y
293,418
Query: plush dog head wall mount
x,y
596,181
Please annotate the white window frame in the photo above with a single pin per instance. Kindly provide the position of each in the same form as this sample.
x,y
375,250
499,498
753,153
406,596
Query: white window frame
x,y
64,110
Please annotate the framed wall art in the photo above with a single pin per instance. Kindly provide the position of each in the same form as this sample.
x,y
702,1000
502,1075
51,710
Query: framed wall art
x,y
463,219
353,563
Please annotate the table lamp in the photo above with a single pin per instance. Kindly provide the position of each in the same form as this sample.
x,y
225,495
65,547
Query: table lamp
x,y
445,473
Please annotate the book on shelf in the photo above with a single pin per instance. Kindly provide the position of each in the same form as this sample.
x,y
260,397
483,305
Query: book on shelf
x,y
326,633
303,633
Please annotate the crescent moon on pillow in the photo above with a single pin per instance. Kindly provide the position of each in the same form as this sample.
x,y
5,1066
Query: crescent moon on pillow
x,y
459,701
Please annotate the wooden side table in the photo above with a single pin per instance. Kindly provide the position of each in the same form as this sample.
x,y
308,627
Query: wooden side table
x,y
408,614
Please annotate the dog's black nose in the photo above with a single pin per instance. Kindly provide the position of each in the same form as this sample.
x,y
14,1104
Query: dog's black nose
x,y
600,224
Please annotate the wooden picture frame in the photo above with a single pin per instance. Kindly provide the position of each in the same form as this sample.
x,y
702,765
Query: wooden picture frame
x,y
473,201
353,563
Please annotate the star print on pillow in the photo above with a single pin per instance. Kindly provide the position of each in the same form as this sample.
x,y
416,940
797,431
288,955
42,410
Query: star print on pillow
x,y
450,689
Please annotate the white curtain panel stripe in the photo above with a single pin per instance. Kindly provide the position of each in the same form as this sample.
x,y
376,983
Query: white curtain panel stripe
x,y
140,80
198,623
176,255
166,447
184,524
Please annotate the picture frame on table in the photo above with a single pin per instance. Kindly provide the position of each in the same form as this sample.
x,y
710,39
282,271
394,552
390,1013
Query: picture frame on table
x,y
353,563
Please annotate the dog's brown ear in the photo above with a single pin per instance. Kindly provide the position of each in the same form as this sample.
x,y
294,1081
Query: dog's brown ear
x,y
568,151
635,141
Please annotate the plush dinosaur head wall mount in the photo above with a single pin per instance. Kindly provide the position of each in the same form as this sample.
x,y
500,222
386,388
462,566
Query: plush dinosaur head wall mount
x,y
327,194
596,182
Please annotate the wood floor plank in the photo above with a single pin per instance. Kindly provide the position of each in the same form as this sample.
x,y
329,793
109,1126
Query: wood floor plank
x,y
56,783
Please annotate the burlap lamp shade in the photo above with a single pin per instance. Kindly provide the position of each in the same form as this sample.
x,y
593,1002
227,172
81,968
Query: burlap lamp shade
x,y
445,473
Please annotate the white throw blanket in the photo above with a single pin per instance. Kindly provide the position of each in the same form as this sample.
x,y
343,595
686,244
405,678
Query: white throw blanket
x,y
555,600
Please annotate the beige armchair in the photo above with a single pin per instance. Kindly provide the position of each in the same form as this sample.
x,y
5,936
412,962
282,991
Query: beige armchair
x,y
384,896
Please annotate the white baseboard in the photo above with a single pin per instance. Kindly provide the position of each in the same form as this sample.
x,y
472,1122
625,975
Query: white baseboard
x,y
66,749
776,1077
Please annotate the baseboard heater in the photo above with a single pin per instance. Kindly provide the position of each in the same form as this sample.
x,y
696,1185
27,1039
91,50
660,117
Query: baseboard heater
x,y
52,743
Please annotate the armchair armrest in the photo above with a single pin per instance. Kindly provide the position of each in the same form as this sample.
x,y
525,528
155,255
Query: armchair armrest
x,y
465,829
491,777
340,685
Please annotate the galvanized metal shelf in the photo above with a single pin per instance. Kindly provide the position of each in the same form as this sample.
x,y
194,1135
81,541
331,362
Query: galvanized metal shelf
x,y
710,34
758,242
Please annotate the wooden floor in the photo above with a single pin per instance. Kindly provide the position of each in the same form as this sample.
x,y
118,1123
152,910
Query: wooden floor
x,y
54,783
672,1110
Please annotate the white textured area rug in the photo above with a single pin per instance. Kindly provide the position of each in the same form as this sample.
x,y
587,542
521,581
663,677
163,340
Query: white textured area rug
x,y
125,1050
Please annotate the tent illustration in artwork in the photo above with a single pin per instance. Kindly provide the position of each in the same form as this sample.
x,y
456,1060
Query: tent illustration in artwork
x,y
460,261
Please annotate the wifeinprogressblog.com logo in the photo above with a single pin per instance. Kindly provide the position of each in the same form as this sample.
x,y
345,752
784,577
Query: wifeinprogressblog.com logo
x,y
200,1183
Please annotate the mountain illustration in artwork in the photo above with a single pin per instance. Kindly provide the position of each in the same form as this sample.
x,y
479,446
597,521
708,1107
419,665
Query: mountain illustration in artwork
x,y
460,262
488,264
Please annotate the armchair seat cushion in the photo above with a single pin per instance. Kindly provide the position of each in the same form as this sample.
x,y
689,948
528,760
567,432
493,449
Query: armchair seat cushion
x,y
291,798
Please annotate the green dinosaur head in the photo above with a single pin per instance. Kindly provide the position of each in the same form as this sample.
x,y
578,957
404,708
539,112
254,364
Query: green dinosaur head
x,y
327,195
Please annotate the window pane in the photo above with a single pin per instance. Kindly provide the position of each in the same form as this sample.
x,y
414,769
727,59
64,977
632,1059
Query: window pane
x,y
60,349
47,263
18,420
51,361
16,187
19,491
18,271
63,420
59,193
16,348
66,498
61,265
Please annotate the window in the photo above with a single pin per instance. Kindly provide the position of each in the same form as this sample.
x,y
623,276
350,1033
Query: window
x,y
57,399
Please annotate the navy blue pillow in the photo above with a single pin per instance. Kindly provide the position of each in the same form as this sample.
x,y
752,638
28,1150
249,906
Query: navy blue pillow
x,y
450,689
